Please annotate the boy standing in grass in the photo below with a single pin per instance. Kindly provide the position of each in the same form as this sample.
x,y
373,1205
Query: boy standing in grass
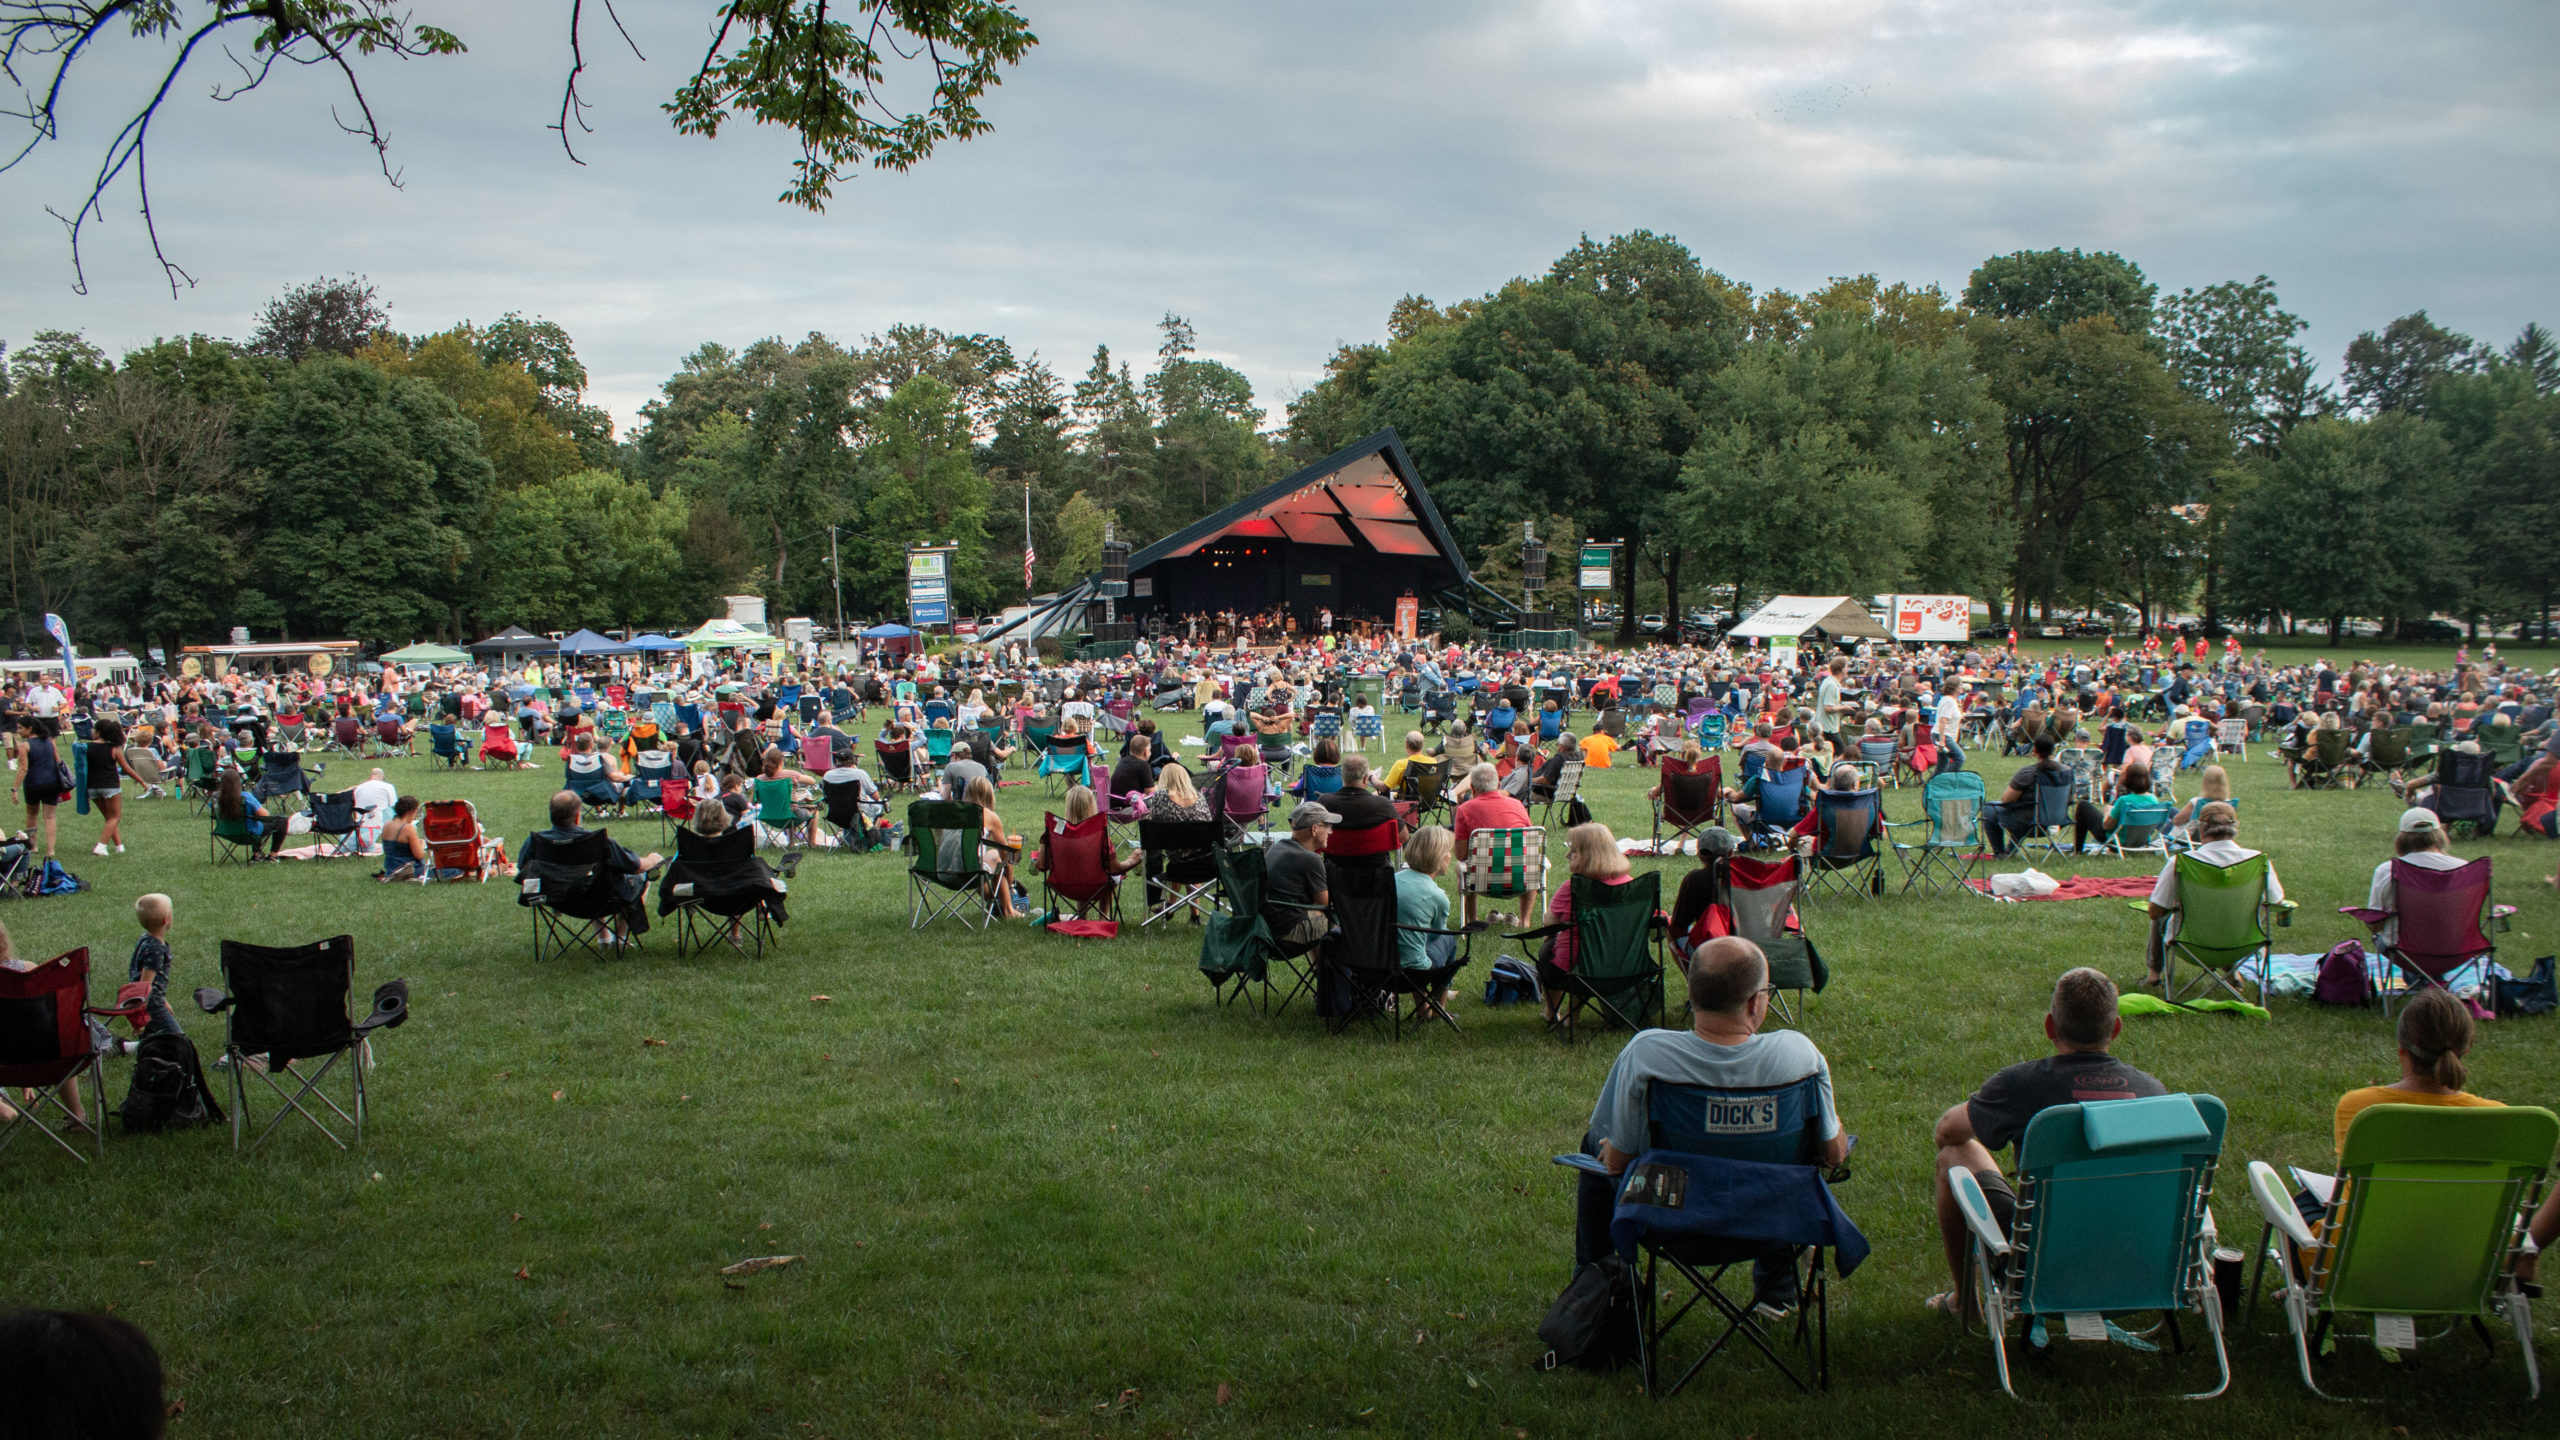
x,y
151,961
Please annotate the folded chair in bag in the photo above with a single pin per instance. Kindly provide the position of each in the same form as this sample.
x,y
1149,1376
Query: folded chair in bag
x,y
333,817
2447,923
1617,952
46,1046
575,897
1848,856
455,840
1181,865
1362,973
2113,1219
1951,834
948,877
1502,864
285,1005
1731,1177
2425,1223
1077,881
2220,925
719,889
1692,799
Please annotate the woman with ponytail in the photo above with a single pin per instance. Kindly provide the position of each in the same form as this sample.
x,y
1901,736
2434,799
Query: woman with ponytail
x,y
2435,1033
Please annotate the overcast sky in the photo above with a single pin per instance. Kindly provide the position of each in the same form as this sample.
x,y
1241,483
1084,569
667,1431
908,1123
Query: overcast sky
x,y
1282,172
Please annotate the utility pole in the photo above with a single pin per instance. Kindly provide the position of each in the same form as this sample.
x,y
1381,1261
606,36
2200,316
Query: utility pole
x,y
835,573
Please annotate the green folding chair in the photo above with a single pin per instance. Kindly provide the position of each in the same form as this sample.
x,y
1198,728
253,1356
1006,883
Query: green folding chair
x,y
1945,857
1617,952
2426,1219
2113,1219
774,811
947,876
233,841
1237,947
2220,924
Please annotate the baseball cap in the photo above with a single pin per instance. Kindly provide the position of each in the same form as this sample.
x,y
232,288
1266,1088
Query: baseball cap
x,y
1311,813
2417,817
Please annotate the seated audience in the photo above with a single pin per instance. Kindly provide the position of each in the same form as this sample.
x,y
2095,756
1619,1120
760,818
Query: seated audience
x,y
1591,852
2217,844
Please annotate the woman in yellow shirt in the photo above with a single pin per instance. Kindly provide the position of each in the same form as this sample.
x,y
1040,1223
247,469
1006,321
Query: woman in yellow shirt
x,y
2435,1033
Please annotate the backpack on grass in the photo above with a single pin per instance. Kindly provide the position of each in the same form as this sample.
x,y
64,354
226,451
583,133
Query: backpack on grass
x,y
168,1091
1592,1325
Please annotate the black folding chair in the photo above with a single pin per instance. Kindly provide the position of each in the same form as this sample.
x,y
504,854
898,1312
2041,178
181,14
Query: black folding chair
x,y
45,1045
334,816
1850,857
1181,865
289,1004
719,890
1361,971
575,899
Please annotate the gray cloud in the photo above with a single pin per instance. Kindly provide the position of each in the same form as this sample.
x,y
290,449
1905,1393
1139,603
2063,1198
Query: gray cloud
x,y
1282,173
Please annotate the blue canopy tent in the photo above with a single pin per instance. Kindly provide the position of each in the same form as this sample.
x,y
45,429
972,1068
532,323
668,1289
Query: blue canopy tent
x,y
587,643
891,631
655,643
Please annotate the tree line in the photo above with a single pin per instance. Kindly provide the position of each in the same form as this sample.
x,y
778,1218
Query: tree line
x,y
2059,436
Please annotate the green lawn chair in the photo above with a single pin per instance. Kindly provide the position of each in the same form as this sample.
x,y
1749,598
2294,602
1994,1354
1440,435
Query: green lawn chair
x,y
2388,752
1617,952
937,745
1237,947
2113,1219
2220,923
2327,762
1952,812
945,834
204,764
2427,1217
774,811
234,842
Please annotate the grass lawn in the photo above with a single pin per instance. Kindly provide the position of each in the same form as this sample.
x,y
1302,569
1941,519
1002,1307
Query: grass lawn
x,y
1043,1187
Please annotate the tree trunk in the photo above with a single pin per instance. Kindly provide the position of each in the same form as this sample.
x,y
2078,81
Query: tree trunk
x,y
1627,602
1670,567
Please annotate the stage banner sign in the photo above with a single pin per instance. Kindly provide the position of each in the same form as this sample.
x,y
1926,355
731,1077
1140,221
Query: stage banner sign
x,y
1932,618
928,587
1596,567
1408,617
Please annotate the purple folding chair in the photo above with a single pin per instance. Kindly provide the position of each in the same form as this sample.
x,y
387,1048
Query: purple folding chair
x,y
1243,795
2446,922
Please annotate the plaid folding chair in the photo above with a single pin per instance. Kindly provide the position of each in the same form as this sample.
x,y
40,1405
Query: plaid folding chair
x,y
289,1004
1951,834
2447,924
1692,799
46,1044
720,891
947,877
2220,926
1504,864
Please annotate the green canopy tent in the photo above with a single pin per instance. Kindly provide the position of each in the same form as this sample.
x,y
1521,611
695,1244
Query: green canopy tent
x,y
427,654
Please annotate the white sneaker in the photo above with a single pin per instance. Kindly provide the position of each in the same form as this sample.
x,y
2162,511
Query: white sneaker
x,y
119,849
98,849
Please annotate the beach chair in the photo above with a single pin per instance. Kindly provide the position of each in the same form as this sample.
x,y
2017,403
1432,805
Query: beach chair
x,y
1848,858
2113,1219
455,840
2231,737
2220,926
947,877
1567,790
1692,799
1950,826
1727,1178
1365,728
2426,1219
2447,924
1505,864
47,1048
2144,829
289,1004
1618,953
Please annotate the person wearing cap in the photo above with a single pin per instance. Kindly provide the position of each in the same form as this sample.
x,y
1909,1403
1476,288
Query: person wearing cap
x,y
2217,844
2423,842
1295,880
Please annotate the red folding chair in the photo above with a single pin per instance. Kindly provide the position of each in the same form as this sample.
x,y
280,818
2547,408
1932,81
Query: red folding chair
x,y
1692,798
455,840
2446,922
675,805
45,1045
1076,874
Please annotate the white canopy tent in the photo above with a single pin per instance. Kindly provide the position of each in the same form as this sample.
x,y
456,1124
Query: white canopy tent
x,y
1835,616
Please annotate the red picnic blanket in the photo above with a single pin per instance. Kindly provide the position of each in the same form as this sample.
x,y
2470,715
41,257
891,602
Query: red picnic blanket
x,y
2085,887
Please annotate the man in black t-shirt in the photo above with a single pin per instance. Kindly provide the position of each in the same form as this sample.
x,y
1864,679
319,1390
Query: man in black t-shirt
x,y
2081,1023
1294,888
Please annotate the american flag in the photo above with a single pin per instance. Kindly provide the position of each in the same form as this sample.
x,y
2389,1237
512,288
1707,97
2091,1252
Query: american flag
x,y
1028,555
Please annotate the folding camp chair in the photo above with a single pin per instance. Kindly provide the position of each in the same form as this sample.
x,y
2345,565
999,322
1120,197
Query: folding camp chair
x,y
1035,743
817,753
1692,799
346,735
1065,761
1758,902
720,891
202,776
234,842
1848,856
1422,791
1783,800
1439,711
390,737
2113,1218
897,766
46,1044
445,743
286,1004
2088,765
1617,952
1711,731
853,810
333,816
2447,924
1365,728
1236,944
2327,764
1362,966
1730,1177
2051,816
1181,865
283,784
1568,789
455,840
946,835
1242,794
1951,837
1503,864
2231,737
937,746
775,812
2426,1218
2387,752
2143,829
574,898
1077,878
2220,925
2462,793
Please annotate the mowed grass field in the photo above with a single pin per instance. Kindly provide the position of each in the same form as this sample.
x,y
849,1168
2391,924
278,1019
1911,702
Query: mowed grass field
x,y
1043,1187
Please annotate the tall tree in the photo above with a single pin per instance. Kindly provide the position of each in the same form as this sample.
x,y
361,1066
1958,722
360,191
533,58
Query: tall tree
x,y
2393,370
2063,287
2349,521
324,317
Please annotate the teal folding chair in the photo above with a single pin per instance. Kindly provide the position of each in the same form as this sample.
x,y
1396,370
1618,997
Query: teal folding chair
x,y
1951,838
2113,1220
2142,829
2220,925
2425,1219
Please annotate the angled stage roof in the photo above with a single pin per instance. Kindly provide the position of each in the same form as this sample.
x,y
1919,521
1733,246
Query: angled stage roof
x,y
1370,491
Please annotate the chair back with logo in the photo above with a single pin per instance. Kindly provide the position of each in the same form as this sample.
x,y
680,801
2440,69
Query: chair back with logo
x,y
1772,1124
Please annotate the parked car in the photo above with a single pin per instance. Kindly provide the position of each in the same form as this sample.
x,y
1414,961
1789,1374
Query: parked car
x,y
2086,628
2429,629
1650,624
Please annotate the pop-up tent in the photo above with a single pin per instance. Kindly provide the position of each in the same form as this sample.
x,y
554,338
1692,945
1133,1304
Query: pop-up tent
x,y
514,641
655,643
1834,617
588,642
426,654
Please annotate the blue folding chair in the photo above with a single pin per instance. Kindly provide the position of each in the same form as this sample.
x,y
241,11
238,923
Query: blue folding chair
x,y
1849,860
2112,1219
1782,801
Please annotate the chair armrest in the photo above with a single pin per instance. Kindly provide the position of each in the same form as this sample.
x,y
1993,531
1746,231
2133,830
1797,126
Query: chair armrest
x,y
2140,907
2276,1203
1587,1164
2373,919
1541,933
2498,918
211,1001
2284,912
1976,1210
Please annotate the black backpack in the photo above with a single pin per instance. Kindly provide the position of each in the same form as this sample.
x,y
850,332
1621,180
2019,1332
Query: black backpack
x,y
1593,1323
168,1090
